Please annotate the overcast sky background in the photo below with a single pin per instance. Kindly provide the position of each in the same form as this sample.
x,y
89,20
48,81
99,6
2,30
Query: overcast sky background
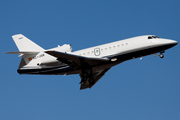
x,y
147,89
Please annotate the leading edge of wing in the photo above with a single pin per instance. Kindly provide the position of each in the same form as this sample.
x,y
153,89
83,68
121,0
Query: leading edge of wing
x,y
76,58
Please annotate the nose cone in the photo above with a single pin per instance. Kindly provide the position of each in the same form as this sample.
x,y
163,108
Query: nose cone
x,y
174,42
164,43
171,42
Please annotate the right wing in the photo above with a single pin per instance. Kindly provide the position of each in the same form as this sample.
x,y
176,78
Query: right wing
x,y
83,63
96,75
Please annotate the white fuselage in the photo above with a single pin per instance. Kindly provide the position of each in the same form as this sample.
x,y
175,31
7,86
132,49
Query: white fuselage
x,y
117,52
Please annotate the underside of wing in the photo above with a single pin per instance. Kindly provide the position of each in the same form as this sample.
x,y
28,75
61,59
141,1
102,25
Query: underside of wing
x,y
96,76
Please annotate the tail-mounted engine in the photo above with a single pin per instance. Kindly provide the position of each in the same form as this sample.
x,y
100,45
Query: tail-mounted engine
x,y
63,48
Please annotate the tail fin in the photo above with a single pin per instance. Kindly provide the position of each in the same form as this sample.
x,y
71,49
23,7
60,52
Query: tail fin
x,y
24,44
26,47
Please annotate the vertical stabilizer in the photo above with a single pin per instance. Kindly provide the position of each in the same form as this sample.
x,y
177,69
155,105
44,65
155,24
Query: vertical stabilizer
x,y
27,48
24,44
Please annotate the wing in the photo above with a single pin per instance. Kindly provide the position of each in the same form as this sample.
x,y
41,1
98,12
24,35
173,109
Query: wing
x,y
82,63
96,75
75,61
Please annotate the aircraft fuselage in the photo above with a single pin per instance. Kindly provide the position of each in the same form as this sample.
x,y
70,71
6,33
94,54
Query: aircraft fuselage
x,y
90,63
117,52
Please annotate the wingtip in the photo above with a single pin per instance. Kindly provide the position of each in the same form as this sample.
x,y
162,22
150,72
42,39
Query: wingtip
x,y
17,35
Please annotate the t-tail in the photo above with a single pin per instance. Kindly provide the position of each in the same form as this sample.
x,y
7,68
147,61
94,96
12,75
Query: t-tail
x,y
26,47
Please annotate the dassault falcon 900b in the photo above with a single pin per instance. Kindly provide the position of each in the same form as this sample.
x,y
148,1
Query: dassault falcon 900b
x,y
91,63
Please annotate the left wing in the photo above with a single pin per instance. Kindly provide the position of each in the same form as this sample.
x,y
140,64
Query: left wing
x,y
96,75
76,61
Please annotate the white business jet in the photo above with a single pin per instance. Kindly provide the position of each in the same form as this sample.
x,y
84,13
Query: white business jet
x,y
91,63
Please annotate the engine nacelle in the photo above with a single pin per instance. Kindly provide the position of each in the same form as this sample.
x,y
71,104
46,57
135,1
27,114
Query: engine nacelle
x,y
63,48
53,60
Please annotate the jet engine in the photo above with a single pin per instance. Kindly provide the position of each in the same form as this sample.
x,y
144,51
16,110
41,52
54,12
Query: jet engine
x,y
63,48
53,61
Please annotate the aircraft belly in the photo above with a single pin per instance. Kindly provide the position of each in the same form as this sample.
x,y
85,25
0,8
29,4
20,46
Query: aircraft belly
x,y
46,71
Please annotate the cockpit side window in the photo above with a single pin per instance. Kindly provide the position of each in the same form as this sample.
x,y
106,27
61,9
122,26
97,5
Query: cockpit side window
x,y
156,36
152,37
149,37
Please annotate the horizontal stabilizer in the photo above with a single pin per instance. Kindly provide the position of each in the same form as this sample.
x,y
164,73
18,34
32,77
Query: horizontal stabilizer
x,y
27,52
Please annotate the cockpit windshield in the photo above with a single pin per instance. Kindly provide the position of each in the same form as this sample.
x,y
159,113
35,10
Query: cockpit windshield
x,y
153,37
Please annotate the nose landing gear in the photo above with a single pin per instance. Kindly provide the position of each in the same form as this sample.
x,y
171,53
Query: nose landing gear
x,y
159,55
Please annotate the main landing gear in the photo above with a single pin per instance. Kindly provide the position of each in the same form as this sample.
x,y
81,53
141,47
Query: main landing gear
x,y
87,75
90,80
